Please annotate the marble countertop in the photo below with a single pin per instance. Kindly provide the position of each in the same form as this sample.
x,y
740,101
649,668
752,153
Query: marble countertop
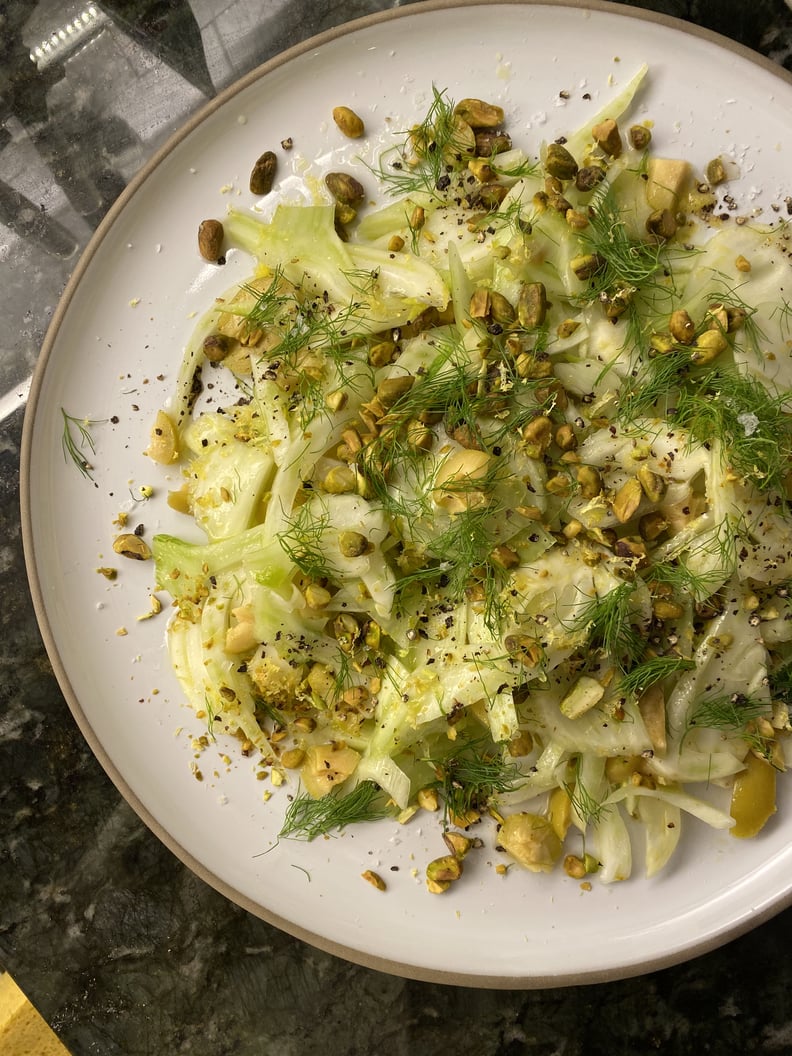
x,y
122,949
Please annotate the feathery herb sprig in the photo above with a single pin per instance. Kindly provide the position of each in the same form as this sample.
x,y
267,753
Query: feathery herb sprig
x,y
587,806
74,447
458,558
307,818
468,778
636,273
719,544
718,404
275,305
421,162
314,338
733,714
780,679
302,543
608,621
681,577
629,261
753,425
750,330
654,388
647,673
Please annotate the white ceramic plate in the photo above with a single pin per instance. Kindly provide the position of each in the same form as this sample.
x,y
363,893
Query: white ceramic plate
x,y
111,356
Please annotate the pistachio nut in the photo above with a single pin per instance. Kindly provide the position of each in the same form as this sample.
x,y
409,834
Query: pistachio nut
x,y
565,437
708,347
532,305
374,879
640,137
661,223
216,347
504,557
210,240
608,138
481,169
348,122
586,265
652,525
262,175
489,142
652,484
627,500
478,114
558,484
446,868
501,309
347,631
589,481
340,480
715,172
528,651
560,163
391,390
352,544
589,177
428,799
345,188
480,303
682,327
667,610
458,844
132,546
316,596
537,435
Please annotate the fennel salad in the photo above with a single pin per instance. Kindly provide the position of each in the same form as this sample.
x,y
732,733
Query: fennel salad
x,y
497,522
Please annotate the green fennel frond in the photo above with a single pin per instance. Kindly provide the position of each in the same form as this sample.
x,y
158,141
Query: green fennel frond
x,y
307,818
469,777
647,673
427,153
752,424
588,807
608,622
75,438
734,714
303,543
780,679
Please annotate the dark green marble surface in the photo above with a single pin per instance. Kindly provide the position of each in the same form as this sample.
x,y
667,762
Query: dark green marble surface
x,y
122,949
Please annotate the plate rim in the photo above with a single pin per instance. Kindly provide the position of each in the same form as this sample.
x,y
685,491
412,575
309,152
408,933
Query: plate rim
x,y
681,953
